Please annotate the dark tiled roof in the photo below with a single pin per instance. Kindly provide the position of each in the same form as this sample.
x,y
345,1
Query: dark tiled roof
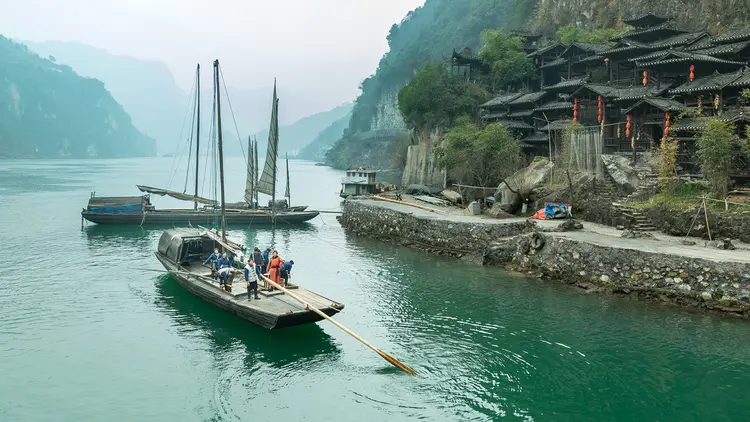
x,y
675,56
732,34
679,39
555,105
515,124
594,58
522,113
501,99
698,123
588,47
606,91
557,125
743,80
626,45
494,116
529,98
536,137
713,82
724,49
645,20
704,42
638,92
570,83
650,56
662,104
665,26
557,62
547,49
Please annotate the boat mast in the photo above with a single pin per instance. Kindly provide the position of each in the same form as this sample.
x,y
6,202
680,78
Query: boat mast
x,y
275,125
221,150
288,194
257,169
251,171
197,129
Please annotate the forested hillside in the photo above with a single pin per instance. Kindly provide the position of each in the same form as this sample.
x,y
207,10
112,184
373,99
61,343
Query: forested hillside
x,y
48,110
427,34
316,149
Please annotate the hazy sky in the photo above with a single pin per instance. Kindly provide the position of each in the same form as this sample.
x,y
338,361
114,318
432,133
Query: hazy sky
x,y
320,48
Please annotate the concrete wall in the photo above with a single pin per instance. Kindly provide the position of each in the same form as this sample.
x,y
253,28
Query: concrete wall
x,y
421,168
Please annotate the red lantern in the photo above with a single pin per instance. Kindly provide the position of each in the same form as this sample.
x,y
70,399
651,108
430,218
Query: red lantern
x,y
627,126
645,78
575,110
606,61
692,68
536,61
666,116
666,132
668,123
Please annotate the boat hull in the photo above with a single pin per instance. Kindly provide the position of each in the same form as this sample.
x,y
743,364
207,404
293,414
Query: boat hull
x,y
172,217
241,307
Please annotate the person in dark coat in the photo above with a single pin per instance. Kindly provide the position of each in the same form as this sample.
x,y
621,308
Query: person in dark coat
x,y
266,259
251,277
286,271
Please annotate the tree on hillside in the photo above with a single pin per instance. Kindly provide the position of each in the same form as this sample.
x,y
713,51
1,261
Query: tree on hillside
x,y
480,157
506,57
715,147
434,98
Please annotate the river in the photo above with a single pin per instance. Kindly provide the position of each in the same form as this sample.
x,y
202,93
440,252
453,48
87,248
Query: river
x,y
85,334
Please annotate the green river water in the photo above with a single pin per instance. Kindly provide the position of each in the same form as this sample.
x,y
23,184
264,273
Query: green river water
x,y
86,335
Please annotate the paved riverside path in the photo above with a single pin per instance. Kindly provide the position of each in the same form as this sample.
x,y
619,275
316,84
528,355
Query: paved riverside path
x,y
597,234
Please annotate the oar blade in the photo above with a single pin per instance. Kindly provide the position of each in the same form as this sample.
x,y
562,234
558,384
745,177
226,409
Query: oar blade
x,y
395,362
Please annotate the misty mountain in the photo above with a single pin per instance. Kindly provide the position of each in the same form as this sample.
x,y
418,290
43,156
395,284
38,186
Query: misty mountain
x,y
159,107
293,137
146,89
48,110
316,149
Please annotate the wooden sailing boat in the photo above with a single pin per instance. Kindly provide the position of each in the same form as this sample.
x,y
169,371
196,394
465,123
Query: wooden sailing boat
x,y
182,251
138,209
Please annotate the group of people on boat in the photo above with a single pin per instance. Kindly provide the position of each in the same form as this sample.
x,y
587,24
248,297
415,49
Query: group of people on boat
x,y
267,264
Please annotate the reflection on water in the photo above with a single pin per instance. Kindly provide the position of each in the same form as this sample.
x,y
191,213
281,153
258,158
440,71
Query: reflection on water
x,y
85,334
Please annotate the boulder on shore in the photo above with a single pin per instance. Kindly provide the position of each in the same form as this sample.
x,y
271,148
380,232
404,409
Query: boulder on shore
x,y
452,196
523,181
621,171
474,208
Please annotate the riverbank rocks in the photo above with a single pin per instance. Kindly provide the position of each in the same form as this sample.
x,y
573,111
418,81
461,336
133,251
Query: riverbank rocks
x,y
452,196
563,257
637,234
569,226
678,223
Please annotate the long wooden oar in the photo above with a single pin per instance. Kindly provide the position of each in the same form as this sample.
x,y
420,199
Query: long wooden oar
x,y
392,360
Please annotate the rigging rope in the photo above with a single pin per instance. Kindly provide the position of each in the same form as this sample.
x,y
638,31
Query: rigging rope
x,y
190,148
177,154
229,102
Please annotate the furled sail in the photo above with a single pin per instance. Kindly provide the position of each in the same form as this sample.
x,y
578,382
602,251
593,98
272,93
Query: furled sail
x,y
250,181
177,195
286,192
267,182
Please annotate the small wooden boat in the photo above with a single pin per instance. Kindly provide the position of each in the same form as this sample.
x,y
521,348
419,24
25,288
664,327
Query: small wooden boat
x,y
182,251
139,211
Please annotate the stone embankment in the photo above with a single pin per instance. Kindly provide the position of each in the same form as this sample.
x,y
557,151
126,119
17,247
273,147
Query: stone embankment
x,y
593,258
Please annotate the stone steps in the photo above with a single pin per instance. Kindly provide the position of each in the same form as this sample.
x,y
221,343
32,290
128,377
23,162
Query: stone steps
x,y
641,222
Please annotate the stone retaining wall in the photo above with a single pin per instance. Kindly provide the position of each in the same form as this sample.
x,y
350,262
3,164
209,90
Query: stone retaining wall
x,y
701,283
445,237
722,286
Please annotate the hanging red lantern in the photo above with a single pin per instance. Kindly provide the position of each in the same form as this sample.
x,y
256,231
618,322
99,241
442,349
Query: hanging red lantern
x,y
536,61
668,123
645,78
666,132
627,126
692,72
606,61
575,110
666,116
692,68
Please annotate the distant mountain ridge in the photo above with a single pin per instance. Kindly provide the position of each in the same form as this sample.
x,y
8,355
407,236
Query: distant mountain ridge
x,y
294,137
48,110
157,105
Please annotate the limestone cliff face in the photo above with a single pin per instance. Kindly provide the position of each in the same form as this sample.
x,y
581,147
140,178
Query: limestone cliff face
x,y
712,15
387,114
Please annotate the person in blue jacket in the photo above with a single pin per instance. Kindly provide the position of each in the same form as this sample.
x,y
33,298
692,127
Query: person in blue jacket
x,y
251,277
265,260
286,271
213,257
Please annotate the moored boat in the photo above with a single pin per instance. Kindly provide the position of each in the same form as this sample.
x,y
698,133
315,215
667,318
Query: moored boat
x,y
181,251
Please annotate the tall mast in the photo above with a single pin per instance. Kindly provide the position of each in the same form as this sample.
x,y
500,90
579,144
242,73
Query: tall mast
x,y
251,175
257,169
287,193
275,125
197,129
221,150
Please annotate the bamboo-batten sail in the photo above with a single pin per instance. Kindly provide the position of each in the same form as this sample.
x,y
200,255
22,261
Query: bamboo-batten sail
x,y
267,182
250,180
286,191
176,195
